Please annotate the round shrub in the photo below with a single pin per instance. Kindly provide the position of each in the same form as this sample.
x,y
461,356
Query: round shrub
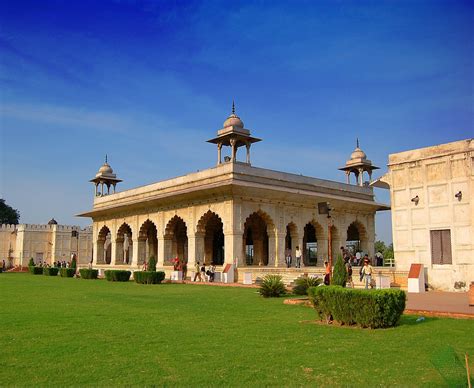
x,y
35,270
302,284
87,273
272,286
67,272
148,277
50,271
117,275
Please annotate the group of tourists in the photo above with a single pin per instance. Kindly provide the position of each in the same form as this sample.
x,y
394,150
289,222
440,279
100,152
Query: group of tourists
x,y
201,272
366,270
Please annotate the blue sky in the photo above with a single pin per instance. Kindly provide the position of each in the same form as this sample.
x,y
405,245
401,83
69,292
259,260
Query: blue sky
x,y
148,82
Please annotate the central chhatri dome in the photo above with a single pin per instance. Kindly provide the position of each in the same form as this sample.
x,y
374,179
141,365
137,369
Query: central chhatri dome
x,y
358,154
234,135
233,120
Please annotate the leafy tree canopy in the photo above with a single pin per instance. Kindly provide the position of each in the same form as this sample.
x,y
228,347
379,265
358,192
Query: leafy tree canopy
x,y
8,215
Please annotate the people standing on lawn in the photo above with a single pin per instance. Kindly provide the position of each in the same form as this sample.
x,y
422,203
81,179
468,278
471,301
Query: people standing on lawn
x,y
298,257
197,270
327,273
288,258
367,272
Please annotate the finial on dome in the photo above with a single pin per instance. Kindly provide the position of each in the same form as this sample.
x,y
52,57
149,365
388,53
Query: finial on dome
x,y
357,142
233,107
105,158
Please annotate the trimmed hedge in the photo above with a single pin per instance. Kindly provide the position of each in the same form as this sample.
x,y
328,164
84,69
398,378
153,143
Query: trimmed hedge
x,y
50,271
117,275
87,273
374,308
35,270
148,277
67,272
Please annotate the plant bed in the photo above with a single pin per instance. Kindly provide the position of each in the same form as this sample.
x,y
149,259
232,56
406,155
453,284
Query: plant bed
x,y
117,275
272,286
87,273
148,277
35,270
50,271
67,272
374,308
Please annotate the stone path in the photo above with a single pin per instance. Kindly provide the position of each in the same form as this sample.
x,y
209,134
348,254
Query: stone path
x,y
451,304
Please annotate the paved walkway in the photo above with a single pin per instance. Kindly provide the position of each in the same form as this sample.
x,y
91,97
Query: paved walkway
x,y
440,303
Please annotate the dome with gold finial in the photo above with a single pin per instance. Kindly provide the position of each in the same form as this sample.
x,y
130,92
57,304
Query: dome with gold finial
x,y
233,120
105,170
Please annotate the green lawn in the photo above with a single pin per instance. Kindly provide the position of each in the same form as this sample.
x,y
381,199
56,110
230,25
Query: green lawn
x,y
60,331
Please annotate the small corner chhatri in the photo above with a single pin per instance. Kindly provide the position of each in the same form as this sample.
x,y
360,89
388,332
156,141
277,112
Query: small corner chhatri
x,y
357,165
105,178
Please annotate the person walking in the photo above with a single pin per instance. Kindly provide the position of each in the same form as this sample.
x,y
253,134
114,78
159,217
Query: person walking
x,y
203,272
327,273
367,272
298,257
197,270
349,272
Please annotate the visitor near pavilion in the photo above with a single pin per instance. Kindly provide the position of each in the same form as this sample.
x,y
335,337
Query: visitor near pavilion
x,y
367,272
298,257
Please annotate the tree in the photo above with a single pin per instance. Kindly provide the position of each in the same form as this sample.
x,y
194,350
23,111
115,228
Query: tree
x,y
339,275
152,264
8,215
380,247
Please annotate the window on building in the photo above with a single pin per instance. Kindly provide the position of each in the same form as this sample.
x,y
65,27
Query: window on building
x,y
441,247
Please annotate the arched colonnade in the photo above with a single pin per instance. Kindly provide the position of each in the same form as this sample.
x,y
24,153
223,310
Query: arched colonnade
x,y
259,243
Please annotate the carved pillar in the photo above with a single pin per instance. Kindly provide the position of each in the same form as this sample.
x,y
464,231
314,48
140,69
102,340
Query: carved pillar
x,y
192,253
135,252
280,250
233,154
361,176
233,252
272,251
161,251
94,252
248,152
348,177
219,153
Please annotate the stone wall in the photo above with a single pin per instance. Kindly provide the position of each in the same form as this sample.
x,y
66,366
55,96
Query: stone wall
x,y
424,184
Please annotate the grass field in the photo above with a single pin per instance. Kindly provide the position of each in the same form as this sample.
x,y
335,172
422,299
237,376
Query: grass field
x,y
62,332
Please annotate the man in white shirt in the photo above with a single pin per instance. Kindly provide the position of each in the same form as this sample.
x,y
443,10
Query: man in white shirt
x,y
298,257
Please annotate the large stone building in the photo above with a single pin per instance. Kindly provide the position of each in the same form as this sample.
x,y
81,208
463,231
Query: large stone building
x,y
44,243
433,212
233,213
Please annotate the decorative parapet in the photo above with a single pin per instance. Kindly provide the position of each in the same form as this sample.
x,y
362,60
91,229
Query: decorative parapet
x,y
8,227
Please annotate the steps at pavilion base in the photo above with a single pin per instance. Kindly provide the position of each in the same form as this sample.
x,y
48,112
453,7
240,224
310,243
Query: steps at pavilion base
x,y
289,275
